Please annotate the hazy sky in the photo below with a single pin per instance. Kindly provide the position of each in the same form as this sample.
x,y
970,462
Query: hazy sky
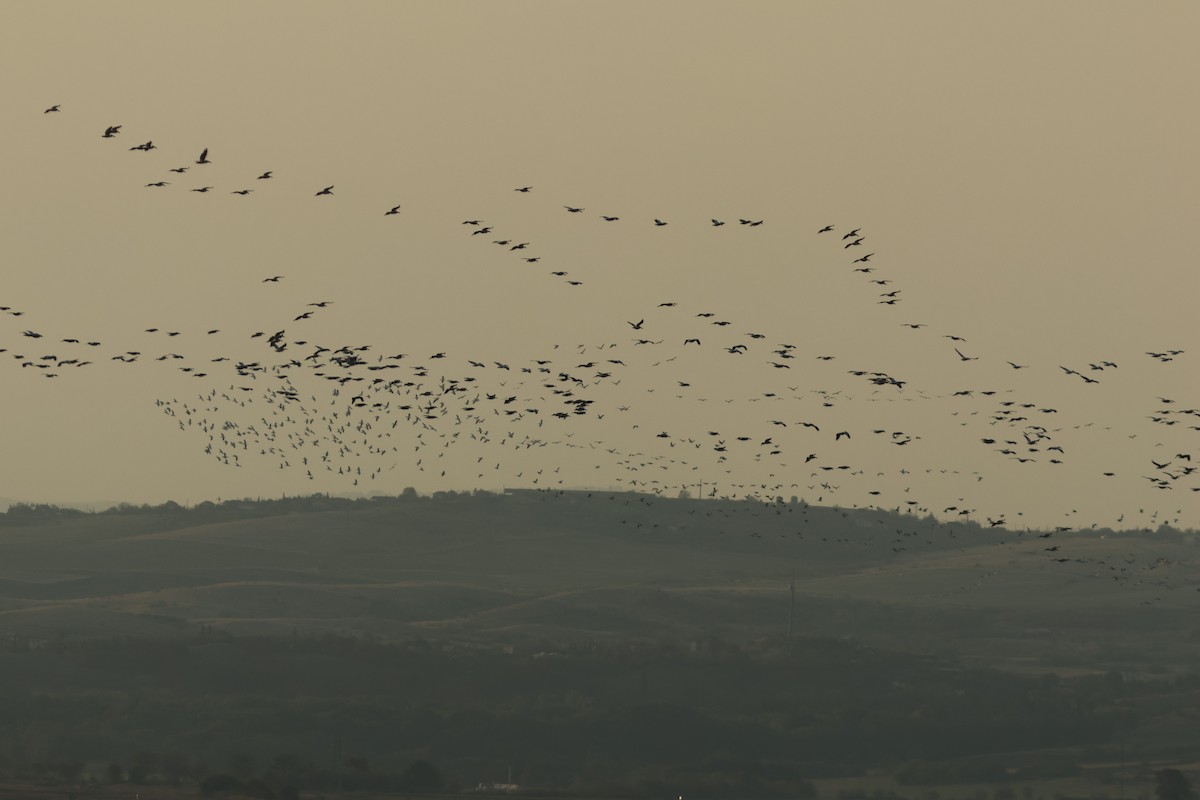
x,y
1024,172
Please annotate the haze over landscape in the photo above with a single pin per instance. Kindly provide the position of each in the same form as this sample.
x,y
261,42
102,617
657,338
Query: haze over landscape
x,y
1019,186
723,399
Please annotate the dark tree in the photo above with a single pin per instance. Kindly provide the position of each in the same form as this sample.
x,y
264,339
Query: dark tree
x,y
1171,784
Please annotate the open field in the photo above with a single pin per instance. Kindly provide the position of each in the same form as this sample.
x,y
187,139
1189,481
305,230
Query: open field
x,y
606,567
602,644
1085,787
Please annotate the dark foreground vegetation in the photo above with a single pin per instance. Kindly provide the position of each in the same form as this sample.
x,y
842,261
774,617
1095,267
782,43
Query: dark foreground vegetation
x,y
600,645
758,720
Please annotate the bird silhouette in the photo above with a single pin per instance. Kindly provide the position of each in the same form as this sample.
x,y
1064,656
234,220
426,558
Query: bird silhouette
x,y
432,403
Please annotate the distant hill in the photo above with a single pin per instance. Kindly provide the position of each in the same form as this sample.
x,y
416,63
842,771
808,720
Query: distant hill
x,y
89,505
546,569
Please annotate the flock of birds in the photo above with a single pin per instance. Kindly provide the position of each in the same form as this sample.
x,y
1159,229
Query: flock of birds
x,y
354,412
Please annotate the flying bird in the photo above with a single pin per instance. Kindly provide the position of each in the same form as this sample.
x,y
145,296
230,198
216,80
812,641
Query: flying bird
x,y
203,159
326,190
